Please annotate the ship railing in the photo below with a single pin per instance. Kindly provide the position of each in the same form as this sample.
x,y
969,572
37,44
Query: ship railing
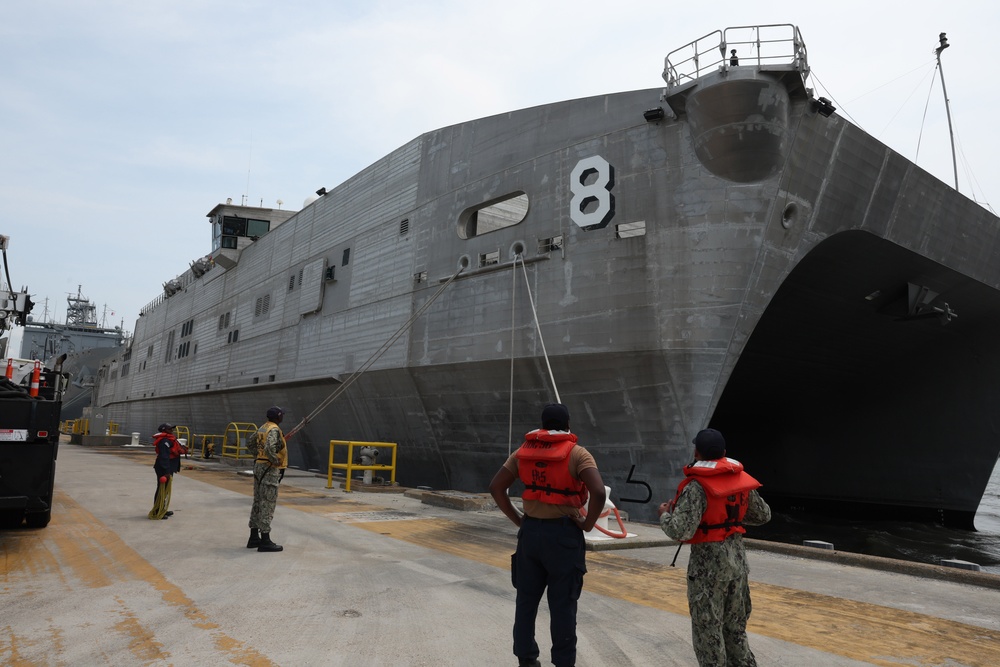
x,y
759,45
350,466
234,440
178,284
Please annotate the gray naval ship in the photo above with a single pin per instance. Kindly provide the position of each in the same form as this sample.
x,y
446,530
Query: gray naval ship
x,y
726,251
81,341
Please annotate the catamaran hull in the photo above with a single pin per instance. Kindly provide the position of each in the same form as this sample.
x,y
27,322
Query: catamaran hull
x,y
771,271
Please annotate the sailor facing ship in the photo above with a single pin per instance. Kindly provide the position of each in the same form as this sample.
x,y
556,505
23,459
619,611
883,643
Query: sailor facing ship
x,y
713,502
268,471
558,477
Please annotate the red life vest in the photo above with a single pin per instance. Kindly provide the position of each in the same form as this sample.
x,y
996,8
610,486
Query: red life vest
x,y
727,489
175,447
543,466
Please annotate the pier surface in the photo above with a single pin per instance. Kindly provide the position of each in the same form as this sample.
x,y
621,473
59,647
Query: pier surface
x,y
373,579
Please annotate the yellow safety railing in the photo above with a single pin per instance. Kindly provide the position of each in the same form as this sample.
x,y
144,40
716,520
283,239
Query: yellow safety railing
x,y
81,426
113,428
351,466
183,433
209,443
67,426
234,440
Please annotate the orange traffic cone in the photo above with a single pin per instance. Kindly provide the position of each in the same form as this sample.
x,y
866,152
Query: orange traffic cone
x,y
10,368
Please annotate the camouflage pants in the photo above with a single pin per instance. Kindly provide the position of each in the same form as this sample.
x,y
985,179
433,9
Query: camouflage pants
x,y
719,613
265,496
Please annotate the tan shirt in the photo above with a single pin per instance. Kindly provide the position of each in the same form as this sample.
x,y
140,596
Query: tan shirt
x,y
579,460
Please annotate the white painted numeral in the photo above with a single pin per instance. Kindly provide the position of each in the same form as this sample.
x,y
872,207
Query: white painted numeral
x,y
598,191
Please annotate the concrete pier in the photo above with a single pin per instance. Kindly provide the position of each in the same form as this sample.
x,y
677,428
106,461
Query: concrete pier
x,y
379,579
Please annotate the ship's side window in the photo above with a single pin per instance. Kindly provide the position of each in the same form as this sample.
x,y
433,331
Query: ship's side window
x,y
498,213
628,230
550,244
149,352
346,259
489,258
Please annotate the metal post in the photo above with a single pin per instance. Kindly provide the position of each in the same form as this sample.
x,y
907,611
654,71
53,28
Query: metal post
x,y
944,45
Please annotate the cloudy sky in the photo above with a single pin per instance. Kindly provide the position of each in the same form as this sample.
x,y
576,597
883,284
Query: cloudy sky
x,y
123,123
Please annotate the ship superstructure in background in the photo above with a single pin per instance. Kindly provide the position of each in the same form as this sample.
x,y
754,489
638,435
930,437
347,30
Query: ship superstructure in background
x,y
727,251
84,342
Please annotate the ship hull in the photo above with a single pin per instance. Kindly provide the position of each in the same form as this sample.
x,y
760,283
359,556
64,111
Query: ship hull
x,y
829,310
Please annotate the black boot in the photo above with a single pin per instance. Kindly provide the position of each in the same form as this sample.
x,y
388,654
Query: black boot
x,y
267,545
254,540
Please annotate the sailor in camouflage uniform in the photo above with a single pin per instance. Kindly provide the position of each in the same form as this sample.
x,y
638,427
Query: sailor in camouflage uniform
x,y
713,503
268,471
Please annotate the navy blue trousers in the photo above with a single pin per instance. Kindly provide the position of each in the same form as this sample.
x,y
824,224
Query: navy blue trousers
x,y
550,556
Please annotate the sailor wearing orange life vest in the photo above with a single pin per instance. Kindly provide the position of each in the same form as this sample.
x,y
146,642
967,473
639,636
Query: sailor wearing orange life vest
x,y
560,478
168,461
713,503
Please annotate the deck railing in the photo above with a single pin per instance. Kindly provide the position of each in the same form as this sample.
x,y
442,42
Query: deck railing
x,y
758,46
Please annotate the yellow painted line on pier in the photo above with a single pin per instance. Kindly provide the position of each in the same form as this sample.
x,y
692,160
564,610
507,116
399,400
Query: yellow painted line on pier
x,y
857,630
81,552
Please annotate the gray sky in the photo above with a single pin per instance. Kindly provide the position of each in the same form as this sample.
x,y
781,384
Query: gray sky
x,y
123,123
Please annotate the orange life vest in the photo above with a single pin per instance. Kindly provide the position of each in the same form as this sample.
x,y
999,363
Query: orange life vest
x,y
727,489
543,466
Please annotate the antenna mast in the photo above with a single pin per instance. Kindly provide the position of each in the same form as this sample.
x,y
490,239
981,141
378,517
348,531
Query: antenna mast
x,y
944,45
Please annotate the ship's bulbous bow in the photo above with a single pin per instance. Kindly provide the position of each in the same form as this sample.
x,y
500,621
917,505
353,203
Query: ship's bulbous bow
x,y
740,125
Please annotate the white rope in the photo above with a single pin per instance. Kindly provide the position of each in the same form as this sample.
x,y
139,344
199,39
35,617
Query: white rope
x,y
371,360
510,410
539,329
